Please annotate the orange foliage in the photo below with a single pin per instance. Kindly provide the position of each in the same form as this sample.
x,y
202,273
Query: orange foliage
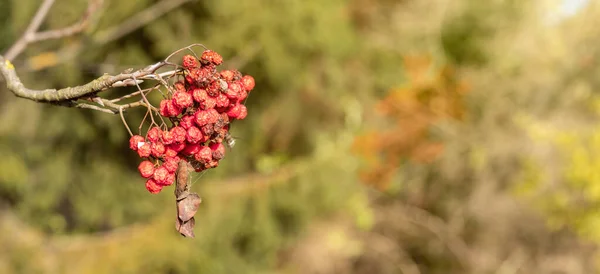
x,y
430,96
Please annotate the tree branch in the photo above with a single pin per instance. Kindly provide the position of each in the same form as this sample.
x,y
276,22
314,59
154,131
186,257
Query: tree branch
x,y
70,30
14,84
37,20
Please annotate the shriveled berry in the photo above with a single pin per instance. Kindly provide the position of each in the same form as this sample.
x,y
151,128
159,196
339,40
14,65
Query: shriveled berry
x,y
212,164
179,134
135,142
157,149
222,101
160,174
194,135
190,62
233,92
218,151
182,99
204,155
170,179
171,163
163,109
168,137
199,95
243,112
172,109
207,129
154,134
153,187
144,150
213,89
234,111
179,87
170,152
227,75
187,121
202,117
248,82
209,56
146,169
242,95
209,102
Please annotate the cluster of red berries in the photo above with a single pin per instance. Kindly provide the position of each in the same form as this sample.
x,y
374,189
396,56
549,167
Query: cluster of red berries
x,y
200,109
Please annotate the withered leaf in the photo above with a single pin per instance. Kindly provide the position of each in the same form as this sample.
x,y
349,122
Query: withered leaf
x,y
187,208
186,228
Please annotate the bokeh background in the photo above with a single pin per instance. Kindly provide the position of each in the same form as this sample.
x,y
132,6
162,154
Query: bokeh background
x,y
383,136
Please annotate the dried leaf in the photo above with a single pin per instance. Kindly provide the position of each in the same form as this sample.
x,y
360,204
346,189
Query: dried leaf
x,y
187,208
186,228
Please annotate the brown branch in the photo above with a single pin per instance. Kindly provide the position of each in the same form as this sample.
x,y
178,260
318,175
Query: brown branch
x,y
78,27
14,84
31,35
37,20
138,20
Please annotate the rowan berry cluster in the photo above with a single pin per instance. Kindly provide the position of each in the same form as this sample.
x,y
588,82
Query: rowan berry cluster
x,y
200,107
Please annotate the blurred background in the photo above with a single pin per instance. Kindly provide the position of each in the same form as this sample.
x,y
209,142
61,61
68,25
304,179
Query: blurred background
x,y
383,136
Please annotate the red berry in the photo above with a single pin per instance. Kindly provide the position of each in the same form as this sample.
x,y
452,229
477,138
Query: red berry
x,y
168,137
199,95
227,75
191,149
170,152
172,109
164,111
209,102
179,134
153,187
207,129
215,88
157,149
242,95
209,56
146,169
222,100
170,179
202,117
177,147
135,142
218,151
160,174
154,134
144,150
194,135
187,121
248,82
190,62
243,112
171,163
234,111
204,155
233,91
182,100
179,87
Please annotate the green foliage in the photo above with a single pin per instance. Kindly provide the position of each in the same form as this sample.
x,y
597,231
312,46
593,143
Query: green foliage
x,y
77,204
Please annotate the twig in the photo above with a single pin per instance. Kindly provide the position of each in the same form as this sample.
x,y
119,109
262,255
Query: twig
x,y
125,122
37,20
14,84
138,20
93,107
70,30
